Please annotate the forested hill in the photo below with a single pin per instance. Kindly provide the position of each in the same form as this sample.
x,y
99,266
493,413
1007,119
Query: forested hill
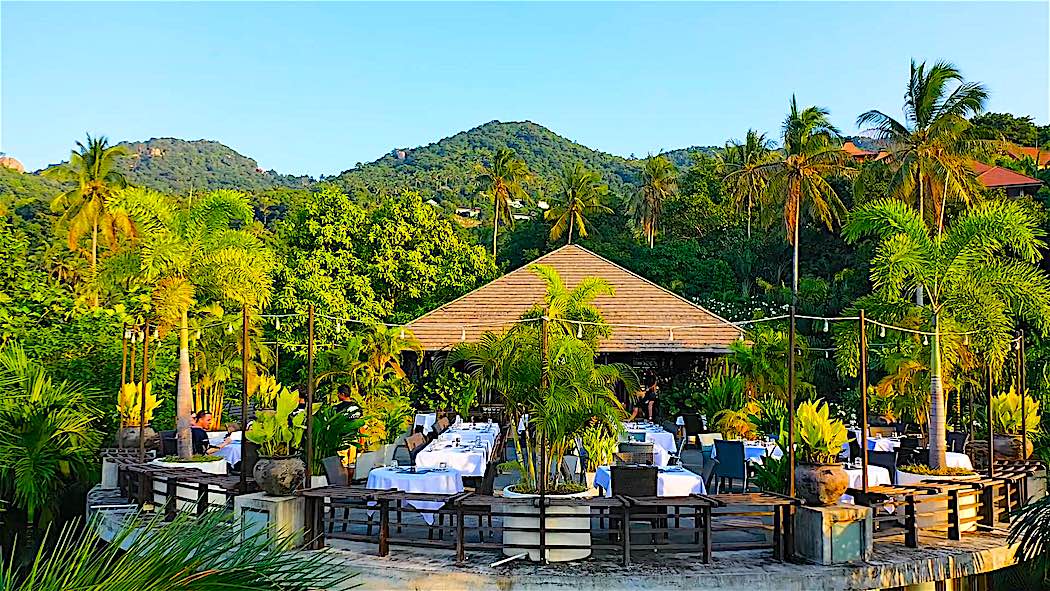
x,y
180,166
444,168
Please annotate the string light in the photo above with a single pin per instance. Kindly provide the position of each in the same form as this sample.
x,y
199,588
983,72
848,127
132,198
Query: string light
x,y
402,334
229,328
966,340
826,325
579,331
463,334
882,331
277,323
925,340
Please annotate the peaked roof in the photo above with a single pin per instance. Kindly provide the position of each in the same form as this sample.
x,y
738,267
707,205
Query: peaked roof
x,y
645,308
997,176
1040,156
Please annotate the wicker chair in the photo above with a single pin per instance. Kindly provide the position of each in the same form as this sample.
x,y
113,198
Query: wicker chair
x,y
636,452
414,444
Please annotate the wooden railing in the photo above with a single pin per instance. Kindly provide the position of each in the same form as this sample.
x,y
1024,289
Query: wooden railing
x,y
182,487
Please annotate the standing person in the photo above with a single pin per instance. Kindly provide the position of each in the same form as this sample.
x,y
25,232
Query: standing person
x,y
649,400
346,404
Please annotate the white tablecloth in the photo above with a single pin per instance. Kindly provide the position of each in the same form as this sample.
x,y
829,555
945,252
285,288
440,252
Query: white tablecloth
x,y
954,459
755,451
877,475
231,452
436,482
467,461
469,433
878,444
674,481
425,420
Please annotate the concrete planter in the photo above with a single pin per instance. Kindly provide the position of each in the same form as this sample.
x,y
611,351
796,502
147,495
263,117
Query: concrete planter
x,y
189,491
129,437
280,476
967,503
820,485
578,518
1009,447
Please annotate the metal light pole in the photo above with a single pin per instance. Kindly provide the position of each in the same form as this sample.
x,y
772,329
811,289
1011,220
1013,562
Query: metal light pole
x,y
142,393
991,427
245,360
1021,392
310,397
863,443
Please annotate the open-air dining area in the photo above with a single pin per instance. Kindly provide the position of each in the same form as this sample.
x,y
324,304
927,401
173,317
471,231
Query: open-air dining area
x,y
551,466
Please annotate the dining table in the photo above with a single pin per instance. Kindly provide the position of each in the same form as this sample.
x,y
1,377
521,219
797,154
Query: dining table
x,y
662,440
465,448
230,452
755,451
671,481
418,480
877,476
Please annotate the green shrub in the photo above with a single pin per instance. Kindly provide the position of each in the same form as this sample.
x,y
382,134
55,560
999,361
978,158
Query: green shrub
x,y
927,471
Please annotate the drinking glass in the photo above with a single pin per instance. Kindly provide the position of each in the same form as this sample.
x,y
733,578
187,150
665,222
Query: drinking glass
x,y
443,466
393,463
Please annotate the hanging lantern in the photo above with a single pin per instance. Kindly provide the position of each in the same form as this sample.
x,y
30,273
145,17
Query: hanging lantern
x,y
925,340
826,326
277,323
463,334
338,327
198,335
827,354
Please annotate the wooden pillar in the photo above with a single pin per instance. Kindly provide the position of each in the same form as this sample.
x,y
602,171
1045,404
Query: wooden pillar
x,y
142,393
245,360
123,374
541,478
1021,392
991,427
310,397
791,400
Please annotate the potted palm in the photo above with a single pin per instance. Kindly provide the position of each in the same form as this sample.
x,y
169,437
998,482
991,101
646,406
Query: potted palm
x,y
820,479
334,433
1007,418
278,433
129,407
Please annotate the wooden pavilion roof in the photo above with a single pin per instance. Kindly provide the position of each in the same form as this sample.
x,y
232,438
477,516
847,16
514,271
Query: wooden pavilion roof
x,y
641,313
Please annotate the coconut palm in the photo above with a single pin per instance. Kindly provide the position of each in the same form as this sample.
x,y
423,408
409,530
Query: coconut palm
x,y
192,255
800,180
502,182
659,183
88,207
47,435
580,193
762,362
980,274
571,311
746,181
931,151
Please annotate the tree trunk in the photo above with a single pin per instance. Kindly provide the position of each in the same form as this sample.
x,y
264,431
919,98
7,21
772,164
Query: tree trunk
x,y
938,439
571,219
184,394
94,264
794,279
749,217
495,228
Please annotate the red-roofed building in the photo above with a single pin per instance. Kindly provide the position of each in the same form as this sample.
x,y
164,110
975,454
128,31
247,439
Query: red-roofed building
x,y
856,152
1013,183
1039,156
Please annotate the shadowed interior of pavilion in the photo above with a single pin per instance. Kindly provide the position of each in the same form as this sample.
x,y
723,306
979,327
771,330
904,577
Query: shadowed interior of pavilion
x,y
653,329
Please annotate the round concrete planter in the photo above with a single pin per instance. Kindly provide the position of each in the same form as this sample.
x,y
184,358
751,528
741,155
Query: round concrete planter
x,y
526,516
1009,447
966,511
820,485
189,491
280,475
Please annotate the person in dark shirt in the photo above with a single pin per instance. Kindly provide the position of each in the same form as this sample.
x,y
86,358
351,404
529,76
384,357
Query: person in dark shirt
x,y
199,432
346,404
652,396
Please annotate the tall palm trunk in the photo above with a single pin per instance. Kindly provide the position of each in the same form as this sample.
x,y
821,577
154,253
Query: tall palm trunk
x,y
938,442
572,218
184,394
495,228
794,265
94,264
749,217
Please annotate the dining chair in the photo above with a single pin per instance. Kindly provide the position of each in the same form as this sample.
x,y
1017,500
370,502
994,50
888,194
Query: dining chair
x,y
706,441
708,475
639,450
693,426
884,430
414,444
957,441
637,482
907,449
854,449
732,463
337,475
885,459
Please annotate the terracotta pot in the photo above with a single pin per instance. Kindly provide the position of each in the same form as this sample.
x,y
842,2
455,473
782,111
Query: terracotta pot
x,y
280,475
129,436
820,485
1008,447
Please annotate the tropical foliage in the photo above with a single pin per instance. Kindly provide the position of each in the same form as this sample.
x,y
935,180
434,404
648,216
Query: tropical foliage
x,y
819,438
579,194
130,405
279,431
1007,414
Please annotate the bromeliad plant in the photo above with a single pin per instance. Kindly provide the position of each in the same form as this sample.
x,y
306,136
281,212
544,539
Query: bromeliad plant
x,y
129,405
279,432
1006,412
819,439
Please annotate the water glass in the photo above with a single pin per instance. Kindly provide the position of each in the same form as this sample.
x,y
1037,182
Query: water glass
x,y
443,466
393,463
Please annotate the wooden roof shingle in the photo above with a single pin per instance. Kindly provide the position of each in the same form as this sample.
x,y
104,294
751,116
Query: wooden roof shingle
x,y
641,312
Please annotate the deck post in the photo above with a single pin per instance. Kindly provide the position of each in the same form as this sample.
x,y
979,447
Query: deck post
x,y
911,530
384,527
954,525
863,443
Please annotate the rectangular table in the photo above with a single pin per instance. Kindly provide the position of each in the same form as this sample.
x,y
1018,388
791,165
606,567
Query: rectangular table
x,y
755,451
672,481
468,460
662,440
428,481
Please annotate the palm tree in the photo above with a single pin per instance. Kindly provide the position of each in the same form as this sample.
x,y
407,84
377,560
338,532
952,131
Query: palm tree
x,y
763,363
932,150
502,182
580,192
746,181
980,274
47,435
811,155
88,206
181,555
659,183
571,311
192,253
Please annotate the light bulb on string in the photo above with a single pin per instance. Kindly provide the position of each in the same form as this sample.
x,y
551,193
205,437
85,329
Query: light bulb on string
x,y
925,340
402,333
229,328
338,327
827,354
826,325
462,334
966,340
579,330
882,331
277,323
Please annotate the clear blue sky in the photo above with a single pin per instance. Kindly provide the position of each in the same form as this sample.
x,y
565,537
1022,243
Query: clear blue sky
x,y
315,88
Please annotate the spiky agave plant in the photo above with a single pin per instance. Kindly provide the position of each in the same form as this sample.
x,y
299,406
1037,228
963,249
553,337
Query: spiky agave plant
x,y
188,554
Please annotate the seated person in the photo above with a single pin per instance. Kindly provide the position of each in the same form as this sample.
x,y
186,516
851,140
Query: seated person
x,y
346,404
233,435
199,432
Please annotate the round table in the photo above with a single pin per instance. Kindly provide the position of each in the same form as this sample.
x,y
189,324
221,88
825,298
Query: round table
x,y
466,459
433,481
755,451
877,476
